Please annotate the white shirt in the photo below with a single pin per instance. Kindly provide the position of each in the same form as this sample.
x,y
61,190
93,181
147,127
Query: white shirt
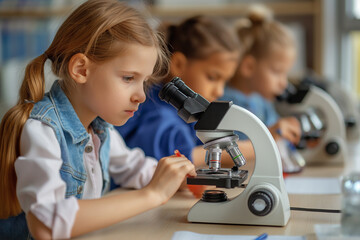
x,y
41,190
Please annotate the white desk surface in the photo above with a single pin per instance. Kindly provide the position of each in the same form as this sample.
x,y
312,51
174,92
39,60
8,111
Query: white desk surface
x,y
162,222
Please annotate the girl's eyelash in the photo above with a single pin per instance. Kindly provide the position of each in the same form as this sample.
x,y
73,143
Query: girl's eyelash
x,y
210,77
128,78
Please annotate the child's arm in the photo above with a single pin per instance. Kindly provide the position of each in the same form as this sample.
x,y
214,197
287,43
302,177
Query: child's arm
x,y
288,128
41,191
129,168
99,213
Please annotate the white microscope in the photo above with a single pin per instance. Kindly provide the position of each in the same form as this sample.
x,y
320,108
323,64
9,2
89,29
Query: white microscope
x,y
346,101
264,200
348,106
321,120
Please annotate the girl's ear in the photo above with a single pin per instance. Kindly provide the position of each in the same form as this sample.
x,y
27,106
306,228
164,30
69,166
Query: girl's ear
x,y
177,64
248,66
79,67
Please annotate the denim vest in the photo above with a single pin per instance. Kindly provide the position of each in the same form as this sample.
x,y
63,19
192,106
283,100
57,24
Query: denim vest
x,y
56,111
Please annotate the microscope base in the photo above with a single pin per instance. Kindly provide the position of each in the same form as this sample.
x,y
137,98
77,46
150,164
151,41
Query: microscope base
x,y
330,151
258,204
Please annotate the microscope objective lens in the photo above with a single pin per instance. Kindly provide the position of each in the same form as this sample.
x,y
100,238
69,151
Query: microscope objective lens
x,y
236,155
214,157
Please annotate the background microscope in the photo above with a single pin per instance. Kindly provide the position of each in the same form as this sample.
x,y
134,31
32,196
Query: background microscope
x,y
346,101
264,200
322,122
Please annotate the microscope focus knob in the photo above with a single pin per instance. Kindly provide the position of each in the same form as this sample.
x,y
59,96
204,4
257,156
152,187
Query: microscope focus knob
x,y
261,202
332,148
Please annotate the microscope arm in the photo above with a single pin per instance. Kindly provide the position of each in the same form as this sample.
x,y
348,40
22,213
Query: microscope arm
x,y
239,119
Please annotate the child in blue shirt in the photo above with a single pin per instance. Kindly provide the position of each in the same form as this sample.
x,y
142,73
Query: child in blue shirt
x,y
269,53
204,52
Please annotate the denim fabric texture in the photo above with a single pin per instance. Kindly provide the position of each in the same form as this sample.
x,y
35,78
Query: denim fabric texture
x,y
56,111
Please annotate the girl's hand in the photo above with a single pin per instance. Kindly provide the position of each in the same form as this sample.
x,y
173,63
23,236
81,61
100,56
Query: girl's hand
x,y
168,176
288,128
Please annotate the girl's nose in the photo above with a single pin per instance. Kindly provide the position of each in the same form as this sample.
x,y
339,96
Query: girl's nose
x,y
218,91
284,82
138,96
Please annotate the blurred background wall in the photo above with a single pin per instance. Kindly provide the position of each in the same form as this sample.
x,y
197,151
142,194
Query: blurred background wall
x,y
327,33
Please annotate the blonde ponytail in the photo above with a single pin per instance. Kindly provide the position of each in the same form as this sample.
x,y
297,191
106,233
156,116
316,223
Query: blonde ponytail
x,y
31,91
258,14
258,32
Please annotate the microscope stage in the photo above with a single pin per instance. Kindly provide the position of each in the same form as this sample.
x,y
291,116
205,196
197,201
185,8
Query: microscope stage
x,y
222,178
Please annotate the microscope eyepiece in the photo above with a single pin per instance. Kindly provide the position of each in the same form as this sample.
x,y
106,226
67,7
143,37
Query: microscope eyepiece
x,y
183,88
171,94
189,92
189,104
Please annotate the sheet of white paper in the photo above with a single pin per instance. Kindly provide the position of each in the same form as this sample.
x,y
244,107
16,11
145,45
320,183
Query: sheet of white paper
x,y
186,235
307,185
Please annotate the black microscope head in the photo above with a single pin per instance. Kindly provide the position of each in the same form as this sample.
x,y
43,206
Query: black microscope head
x,y
294,94
189,104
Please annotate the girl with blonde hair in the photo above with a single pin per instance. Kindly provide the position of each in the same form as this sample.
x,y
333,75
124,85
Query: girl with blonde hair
x,y
269,52
268,55
59,149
